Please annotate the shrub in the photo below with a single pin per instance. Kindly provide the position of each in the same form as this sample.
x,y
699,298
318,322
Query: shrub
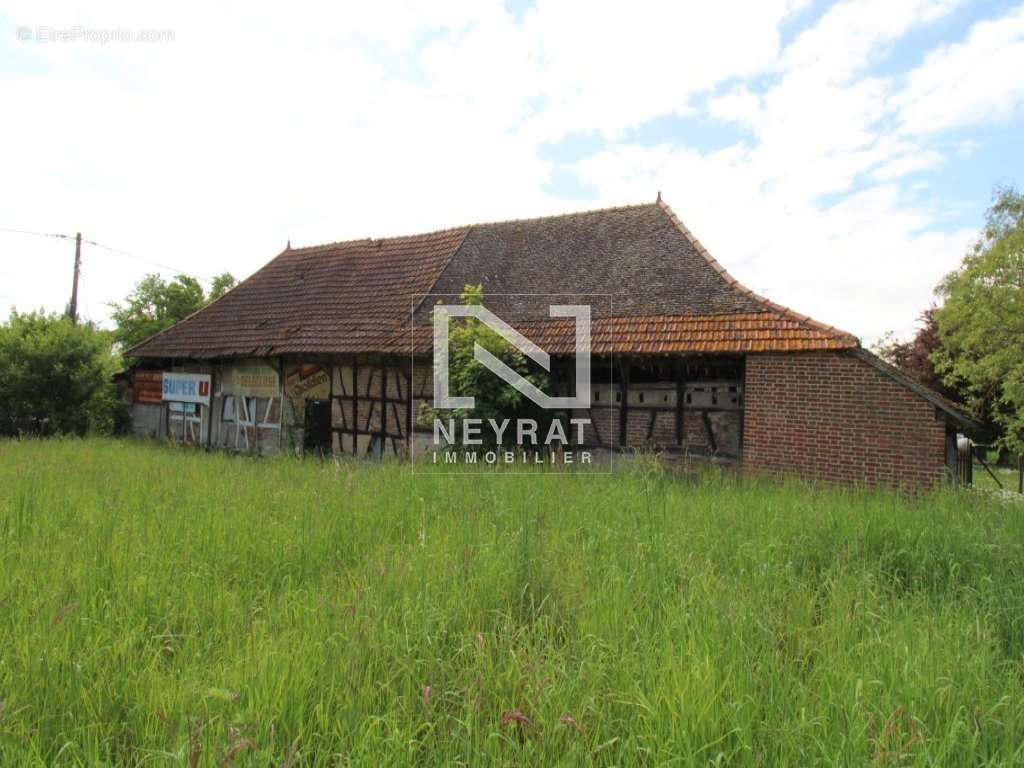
x,y
56,377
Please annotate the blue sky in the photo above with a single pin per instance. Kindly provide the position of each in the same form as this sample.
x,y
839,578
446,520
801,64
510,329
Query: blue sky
x,y
837,156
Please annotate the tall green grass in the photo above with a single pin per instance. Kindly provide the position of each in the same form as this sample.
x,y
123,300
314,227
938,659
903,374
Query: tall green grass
x,y
166,607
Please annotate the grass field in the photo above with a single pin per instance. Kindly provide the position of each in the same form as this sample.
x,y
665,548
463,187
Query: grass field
x,y
1008,477
165,607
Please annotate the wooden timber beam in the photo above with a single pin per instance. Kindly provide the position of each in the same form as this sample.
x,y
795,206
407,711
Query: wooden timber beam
x,y
624,404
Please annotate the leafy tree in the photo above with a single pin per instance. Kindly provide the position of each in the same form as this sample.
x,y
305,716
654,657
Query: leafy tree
x,y
155,304
914,357
56,377
981,323
221,284
493,398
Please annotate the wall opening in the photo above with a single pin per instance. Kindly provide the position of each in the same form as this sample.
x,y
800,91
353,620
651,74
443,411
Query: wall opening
x,y
317,432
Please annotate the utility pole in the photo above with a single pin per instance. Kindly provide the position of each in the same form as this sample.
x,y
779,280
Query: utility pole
x,y
73,306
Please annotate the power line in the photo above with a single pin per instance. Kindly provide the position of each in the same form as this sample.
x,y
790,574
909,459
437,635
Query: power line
x,y
147,261
111,249
31,232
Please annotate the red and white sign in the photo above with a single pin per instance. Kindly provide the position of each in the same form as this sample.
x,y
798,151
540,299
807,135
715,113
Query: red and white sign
x,y
147,386
187,387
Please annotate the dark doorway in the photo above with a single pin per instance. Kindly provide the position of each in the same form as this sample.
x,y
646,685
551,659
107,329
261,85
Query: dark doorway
x,y
317,437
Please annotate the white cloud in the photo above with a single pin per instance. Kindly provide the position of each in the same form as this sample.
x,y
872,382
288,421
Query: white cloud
x,y
974,81
607,69
909,163
209,152
866,263
333,121
966,147
739,105
325,122
854,32
577,66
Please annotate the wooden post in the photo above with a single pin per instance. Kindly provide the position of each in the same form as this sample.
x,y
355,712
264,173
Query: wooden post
x,y
680,370
280,405
209,410
408,409
743,402
709,431
355,406
383,405
623,406
1020,473
73,306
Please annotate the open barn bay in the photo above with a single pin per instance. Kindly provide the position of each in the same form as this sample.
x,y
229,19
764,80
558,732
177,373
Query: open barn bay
x,y
170,607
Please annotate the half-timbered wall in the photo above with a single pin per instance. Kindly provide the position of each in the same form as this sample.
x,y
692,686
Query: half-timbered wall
x,y
370,413
246,410
691,405
376,405
245,423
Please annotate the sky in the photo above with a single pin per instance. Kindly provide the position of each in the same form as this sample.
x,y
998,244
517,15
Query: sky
x,y
836,157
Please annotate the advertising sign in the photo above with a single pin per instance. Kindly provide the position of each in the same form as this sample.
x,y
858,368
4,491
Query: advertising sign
x,y
147,386
187,387
251,380
308,381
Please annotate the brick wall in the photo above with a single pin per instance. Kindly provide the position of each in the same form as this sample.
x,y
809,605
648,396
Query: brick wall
x,y
832,417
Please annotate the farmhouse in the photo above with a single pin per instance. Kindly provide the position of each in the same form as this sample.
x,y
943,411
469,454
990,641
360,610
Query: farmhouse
x,y
328,348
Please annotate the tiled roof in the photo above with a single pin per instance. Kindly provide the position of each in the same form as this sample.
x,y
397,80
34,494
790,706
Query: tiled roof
x,y
661,293
342,297
664,334
637,255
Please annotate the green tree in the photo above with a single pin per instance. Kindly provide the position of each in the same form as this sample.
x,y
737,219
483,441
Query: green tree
x,y
915,357
493,398
221,284
981,323
56,377
155,304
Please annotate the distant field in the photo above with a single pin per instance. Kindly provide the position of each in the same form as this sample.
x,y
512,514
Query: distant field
x,y
1008,477
166,607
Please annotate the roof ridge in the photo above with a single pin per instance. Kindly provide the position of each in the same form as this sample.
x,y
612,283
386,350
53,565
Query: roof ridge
x,y
446,230
437,275
370,240
568,215
738,286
